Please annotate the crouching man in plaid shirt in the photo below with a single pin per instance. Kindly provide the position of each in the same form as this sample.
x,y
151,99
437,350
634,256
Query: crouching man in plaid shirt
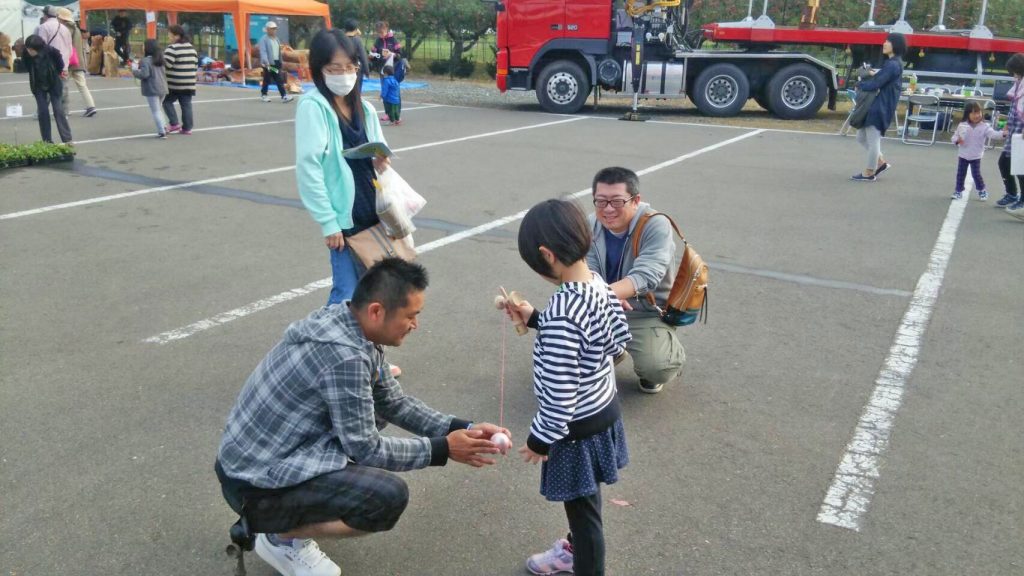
x,y
302,455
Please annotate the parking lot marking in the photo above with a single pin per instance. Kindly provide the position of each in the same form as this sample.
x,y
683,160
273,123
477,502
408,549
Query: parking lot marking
x,y
263,304
849,495
227,127
136,88
34,211
139,106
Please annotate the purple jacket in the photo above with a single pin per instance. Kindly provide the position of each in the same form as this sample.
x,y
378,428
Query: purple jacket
x,y
971,139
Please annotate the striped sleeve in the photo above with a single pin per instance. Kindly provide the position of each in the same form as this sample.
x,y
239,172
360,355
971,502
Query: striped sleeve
x,y
181,64
556,376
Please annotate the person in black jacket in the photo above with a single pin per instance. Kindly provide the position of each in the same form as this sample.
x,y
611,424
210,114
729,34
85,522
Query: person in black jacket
x,y
122,33
46,79
352,31
888,81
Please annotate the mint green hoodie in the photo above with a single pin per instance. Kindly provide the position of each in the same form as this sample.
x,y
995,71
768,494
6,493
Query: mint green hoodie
x,y
325,181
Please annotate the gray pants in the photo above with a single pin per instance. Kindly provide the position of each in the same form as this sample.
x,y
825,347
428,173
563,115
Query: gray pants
x,y
871,139
658,356
46,100
155,109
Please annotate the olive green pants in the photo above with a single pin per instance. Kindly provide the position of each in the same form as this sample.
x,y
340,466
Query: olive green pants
x,y
658,356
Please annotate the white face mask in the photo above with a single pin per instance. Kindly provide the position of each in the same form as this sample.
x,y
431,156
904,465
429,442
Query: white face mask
x,y
340,84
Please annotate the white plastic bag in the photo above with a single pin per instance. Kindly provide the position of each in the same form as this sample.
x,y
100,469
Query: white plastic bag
x,y
397,203
1017,154
399,190
14,110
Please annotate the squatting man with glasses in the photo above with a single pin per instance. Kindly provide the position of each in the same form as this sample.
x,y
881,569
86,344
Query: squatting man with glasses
x,y
302,455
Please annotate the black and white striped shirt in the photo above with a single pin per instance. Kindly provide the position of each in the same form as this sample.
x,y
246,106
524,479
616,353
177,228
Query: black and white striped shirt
x,y
579,333
180,64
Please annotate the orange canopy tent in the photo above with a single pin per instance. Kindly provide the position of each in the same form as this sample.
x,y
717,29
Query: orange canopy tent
x,y
239,9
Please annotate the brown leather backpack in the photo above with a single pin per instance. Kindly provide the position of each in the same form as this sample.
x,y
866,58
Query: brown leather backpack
x,y
688,299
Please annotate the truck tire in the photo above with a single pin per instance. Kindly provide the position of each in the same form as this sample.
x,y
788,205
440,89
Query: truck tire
x,y
796,92
721,90
562,87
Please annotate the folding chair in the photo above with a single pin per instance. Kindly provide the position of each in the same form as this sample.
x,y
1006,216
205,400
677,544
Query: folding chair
x,y
929,111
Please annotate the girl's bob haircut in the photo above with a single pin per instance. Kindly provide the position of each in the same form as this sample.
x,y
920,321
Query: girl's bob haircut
x,y
559,226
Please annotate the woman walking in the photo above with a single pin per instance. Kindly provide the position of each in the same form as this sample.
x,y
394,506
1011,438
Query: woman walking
x,y
887,81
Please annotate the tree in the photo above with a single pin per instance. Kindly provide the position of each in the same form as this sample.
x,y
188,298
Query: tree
x,y
465,22
412,20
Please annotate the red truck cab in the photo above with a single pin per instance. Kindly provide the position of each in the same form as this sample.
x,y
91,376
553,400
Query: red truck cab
x,y
527,30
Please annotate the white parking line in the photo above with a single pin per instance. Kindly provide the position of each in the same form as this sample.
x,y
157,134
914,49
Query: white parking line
x,y
227,127
93,91
263,304
850,493
34,211
139,106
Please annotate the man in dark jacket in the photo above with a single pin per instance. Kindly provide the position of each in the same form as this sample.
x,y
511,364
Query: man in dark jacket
x,y
46,79
122,33
352,31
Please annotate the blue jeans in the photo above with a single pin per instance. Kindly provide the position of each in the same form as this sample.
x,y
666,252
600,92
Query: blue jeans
x,y
345,272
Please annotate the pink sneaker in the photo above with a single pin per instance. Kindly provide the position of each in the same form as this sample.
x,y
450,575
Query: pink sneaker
x,y
186,132
173,128
555,561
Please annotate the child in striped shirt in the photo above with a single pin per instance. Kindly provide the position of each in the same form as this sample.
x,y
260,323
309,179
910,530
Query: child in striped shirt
x,y
577,433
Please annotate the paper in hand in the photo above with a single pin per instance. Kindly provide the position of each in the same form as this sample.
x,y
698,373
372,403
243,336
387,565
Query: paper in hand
x,y
368,150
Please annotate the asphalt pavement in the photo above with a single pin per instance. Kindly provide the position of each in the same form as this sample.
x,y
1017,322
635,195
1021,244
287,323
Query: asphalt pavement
x,y
142,283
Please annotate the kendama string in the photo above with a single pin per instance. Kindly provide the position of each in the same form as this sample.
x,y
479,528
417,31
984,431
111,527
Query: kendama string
x,y
501,378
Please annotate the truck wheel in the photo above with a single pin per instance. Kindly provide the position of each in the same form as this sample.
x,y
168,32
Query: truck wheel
x,y
562,87
721,90
796,92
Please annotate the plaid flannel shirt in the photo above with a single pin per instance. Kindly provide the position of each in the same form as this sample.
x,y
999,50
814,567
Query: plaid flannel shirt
x,y
1014,121
319,399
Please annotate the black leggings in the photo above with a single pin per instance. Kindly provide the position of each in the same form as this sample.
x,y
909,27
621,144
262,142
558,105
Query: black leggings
x,y
1011,187
586,534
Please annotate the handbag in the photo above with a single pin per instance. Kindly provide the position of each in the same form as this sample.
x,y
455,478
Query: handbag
x,y
1017,154
862,105
374,244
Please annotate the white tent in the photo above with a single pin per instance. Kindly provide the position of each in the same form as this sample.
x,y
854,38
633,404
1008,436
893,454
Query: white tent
x,y
18,18
10,18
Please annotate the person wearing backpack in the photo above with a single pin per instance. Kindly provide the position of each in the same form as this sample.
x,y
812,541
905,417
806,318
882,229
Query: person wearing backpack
x,y
657,353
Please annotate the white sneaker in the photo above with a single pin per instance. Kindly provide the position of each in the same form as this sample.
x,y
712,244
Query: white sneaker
x,y
287,98
302,558
265,98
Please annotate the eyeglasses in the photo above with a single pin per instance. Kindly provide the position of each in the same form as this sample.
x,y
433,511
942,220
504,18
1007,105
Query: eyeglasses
x,y
614,203
341,69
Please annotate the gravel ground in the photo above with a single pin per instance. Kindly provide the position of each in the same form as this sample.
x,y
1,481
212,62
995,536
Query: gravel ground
x,y
485,95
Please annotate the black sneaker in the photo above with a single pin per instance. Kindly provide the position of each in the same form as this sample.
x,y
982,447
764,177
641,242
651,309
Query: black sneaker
x,y
649,387
1006,200
862,178
89,112
885,166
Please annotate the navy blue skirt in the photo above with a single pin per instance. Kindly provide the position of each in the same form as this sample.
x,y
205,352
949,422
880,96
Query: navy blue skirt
x,y
575,467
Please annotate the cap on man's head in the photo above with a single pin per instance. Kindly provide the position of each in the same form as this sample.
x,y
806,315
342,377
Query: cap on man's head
x,y
50,11
271,24
65,15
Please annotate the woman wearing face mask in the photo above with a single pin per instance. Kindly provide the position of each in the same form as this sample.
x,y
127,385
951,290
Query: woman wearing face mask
x,y
338,193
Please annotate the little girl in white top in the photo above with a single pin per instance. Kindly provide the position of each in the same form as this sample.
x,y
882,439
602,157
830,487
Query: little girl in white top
x,y
970,137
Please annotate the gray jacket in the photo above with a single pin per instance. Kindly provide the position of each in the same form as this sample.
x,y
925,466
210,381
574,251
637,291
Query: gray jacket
x,y
266,48
153,81
651,271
